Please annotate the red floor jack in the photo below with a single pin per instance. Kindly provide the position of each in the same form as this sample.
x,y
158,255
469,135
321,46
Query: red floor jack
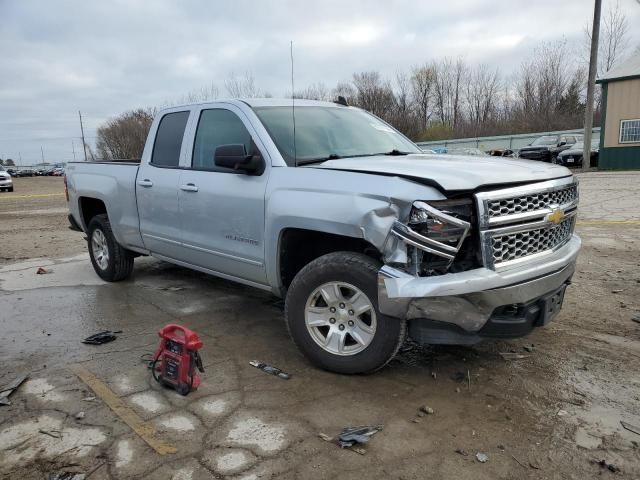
x,y
177,358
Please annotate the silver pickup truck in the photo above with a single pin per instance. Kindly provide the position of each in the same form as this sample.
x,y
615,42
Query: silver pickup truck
x,y
365,236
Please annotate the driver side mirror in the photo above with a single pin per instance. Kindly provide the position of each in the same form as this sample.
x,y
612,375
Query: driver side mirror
x,y
235,156
561,144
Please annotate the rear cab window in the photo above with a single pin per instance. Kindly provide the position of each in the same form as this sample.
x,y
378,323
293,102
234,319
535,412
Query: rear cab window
x,y
168,141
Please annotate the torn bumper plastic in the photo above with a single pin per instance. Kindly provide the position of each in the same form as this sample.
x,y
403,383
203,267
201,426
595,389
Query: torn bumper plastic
x,y
468,299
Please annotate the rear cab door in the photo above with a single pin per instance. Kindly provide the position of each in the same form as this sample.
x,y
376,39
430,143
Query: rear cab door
x,y
157,183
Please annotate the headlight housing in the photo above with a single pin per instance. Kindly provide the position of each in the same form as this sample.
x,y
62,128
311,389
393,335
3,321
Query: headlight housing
x,y
438,231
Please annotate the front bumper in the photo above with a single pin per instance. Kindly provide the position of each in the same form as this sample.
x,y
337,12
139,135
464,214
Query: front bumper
x,y
5,183
467,300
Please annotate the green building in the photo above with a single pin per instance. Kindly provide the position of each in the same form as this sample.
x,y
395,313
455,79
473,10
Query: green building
x,y
620,132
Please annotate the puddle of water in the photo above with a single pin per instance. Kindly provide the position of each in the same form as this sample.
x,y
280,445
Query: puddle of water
x,y
67,274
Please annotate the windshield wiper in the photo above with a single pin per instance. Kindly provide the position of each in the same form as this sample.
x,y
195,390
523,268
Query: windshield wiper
x,y
332,156
395,152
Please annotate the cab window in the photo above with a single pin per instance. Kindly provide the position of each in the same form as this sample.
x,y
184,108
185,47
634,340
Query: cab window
x,y
168,141
218,127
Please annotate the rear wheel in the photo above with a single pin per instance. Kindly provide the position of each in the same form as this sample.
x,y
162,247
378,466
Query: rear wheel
x,y
332,315
110,260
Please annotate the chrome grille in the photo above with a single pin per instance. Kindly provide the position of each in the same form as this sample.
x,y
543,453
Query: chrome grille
x,y
519,223
532,202
514,246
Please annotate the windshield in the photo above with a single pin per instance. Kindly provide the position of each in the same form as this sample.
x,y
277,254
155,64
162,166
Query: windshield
x,y
546,140
324,133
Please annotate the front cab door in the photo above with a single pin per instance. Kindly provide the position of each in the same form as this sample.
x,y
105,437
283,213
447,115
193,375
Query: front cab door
x,y
222,210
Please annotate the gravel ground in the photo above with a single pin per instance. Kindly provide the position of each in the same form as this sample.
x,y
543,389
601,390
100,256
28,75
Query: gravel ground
x,y
551,414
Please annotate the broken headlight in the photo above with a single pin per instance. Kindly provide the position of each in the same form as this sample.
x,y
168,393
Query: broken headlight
x,y
438,228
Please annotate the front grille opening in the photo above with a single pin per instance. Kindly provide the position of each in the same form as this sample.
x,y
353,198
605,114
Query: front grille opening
x,y
506,248
532,202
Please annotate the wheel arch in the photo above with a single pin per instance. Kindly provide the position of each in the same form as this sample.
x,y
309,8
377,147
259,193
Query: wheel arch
x,y
298,247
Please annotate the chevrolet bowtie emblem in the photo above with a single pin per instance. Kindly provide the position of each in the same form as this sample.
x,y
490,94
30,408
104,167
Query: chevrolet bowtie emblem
x,y
556,216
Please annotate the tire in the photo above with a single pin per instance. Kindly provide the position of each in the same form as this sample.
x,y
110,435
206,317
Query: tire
x,y
117,264
343,274
11,189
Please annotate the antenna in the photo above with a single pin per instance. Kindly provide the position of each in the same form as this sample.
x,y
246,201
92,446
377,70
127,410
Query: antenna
x,y
293,109
84,144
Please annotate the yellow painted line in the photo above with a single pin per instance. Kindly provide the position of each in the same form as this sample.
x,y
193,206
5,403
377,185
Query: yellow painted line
x,y
608,222
40,195
145,430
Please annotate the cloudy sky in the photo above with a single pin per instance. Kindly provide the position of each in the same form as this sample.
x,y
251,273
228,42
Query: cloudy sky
x,y
104,57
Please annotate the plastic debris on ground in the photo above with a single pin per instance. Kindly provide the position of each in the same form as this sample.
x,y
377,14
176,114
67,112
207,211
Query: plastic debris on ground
x,y
353,435
265,367
609,466
631,428
9,388
512,356
67,476
482,457
43,271
101,337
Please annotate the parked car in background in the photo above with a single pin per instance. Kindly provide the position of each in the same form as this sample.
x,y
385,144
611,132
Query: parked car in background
x,y
6,183
24,172
547,147
57,172
502,152
572,157
11,171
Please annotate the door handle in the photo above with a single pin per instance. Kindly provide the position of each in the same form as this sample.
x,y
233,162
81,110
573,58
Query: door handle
x,y
189,187
145,183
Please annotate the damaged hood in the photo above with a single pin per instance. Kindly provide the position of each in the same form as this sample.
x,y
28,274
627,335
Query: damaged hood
x,y
451,172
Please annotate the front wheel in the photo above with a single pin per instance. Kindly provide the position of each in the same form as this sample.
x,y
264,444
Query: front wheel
x,y
110,260
332,315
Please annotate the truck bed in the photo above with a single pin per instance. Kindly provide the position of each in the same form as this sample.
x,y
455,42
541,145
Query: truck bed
x,y
115,187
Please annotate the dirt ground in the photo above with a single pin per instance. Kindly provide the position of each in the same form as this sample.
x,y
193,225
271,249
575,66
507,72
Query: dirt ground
x,y
552,414
34,221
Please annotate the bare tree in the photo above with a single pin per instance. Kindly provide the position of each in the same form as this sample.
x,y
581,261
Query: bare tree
x,y
242,86
481,96
422,86
124,136
449,79
316,91
203,94
345,90
373,93
614,39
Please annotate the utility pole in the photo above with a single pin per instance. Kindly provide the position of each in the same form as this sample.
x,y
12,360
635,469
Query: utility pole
x,y
42,152
84,145
73,148
591,86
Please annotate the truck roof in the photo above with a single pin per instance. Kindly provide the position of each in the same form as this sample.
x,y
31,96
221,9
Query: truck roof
x,y
264,102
